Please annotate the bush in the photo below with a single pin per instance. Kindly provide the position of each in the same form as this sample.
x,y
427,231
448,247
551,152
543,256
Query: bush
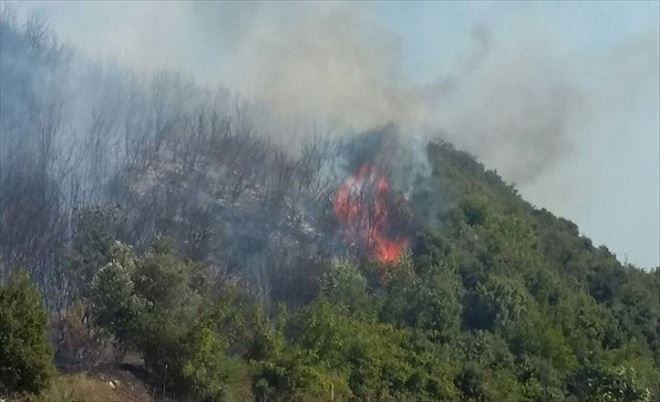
x,y
25,353
206,369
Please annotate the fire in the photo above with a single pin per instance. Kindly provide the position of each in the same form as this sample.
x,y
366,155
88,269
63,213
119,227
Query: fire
x,y
361,206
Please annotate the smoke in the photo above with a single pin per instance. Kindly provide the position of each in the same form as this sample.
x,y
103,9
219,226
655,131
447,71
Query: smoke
x,y
516,108
330,65
514,90
334,66
513,106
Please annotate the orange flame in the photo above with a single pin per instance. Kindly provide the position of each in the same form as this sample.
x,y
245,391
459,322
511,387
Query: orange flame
x,y
361,207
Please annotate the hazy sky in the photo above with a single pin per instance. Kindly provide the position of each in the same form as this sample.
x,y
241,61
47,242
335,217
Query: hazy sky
x,y
561,98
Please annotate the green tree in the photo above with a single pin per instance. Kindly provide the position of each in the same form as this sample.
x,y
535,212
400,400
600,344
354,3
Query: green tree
x,y
344,284
25,352
150,304
206,369
91,249
594,383
495,303
116,306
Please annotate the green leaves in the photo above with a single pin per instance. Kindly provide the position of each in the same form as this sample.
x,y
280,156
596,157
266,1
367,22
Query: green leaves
x,y
495,302
151,304
25,352
207,370
344,284
605,384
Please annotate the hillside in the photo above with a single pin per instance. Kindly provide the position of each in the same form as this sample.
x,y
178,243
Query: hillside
x,y
162,228
495,301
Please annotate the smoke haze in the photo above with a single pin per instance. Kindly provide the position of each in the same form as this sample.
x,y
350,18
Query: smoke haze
x,y
519,95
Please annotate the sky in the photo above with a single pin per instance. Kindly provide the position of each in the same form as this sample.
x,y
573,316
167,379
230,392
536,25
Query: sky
x,y
561,98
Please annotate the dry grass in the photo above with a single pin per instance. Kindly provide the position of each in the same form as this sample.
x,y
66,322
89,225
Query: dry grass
x,y
78,387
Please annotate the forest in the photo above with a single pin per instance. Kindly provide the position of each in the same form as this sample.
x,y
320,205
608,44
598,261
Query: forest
x,y
154,225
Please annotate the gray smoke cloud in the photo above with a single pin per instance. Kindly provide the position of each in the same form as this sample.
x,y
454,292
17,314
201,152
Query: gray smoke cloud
x,y
512,106
333,67
516,89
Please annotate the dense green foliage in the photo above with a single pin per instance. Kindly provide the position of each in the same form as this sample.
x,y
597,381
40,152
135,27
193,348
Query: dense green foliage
x,y
25,353
496,301
155,305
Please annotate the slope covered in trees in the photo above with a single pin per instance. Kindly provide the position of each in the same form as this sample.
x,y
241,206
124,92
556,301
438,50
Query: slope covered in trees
x,y
159,221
